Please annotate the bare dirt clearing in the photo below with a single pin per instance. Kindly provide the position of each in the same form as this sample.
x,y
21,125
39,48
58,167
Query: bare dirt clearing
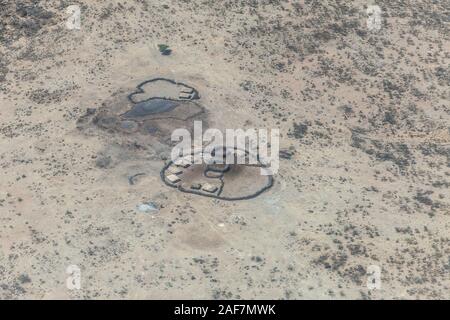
x,y
365,170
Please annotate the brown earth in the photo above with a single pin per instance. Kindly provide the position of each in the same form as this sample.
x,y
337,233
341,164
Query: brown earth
x,y
364,178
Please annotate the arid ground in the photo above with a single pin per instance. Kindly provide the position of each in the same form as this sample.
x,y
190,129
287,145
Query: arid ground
x,y
364,177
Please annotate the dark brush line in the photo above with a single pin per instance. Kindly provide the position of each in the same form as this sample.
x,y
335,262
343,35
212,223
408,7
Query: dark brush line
x,y
195,95
131,178
180,188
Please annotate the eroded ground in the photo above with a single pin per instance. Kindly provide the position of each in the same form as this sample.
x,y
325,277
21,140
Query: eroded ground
x,y
364,175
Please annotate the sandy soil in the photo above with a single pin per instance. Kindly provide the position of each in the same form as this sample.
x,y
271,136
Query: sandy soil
x,y
365,115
